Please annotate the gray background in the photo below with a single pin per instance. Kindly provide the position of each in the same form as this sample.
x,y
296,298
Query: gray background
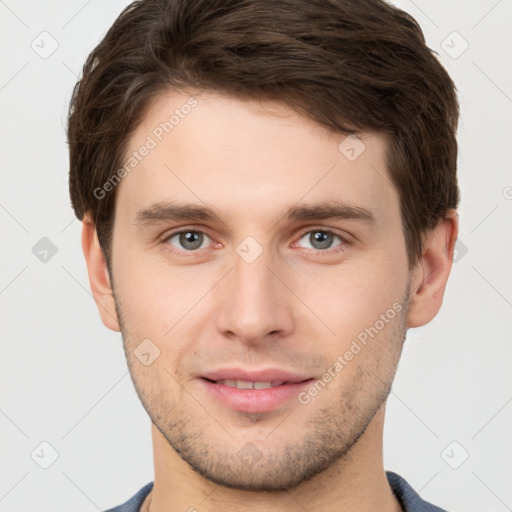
x,y
64,378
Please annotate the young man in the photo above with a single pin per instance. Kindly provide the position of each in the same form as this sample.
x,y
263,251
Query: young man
x,y
268,194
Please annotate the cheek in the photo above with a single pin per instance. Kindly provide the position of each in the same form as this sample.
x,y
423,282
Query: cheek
x,y
157,300
351,296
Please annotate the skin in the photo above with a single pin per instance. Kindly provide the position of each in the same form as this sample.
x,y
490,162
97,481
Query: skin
x,y
296,307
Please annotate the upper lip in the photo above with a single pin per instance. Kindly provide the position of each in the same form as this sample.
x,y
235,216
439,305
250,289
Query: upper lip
x,y
266,375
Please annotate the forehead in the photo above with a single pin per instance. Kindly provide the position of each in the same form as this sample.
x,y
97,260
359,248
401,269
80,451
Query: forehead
x,y
249,159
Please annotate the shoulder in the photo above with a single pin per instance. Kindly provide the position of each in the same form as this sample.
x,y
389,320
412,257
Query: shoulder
x,y
135,502
408,497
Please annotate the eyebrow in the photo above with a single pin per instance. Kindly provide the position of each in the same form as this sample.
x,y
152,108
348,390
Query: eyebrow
x,y
160,212
165,212
330,210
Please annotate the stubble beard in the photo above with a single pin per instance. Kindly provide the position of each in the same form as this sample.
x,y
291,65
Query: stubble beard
x,y
327,437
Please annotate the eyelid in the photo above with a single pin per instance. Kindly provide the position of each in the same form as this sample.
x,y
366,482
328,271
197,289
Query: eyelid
x,y
183,229
178,231
344,239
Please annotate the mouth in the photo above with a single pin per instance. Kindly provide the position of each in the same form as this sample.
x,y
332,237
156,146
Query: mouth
x,y
247,384
254,392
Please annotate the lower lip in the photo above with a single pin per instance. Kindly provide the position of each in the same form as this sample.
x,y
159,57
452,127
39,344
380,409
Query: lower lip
x,y
255,400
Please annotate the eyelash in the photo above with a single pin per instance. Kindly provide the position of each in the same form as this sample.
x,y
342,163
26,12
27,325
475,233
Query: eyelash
x,y
330,250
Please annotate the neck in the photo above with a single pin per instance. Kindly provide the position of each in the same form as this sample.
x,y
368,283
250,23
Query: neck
x,y
357,482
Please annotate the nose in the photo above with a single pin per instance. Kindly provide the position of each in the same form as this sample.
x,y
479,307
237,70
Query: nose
x,y
254,304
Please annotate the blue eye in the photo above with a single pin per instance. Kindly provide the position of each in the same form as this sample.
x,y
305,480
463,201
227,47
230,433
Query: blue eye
x,y
189,240
321,239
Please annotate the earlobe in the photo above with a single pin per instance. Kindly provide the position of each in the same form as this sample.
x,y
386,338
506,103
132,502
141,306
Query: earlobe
x,y
99,278
431,272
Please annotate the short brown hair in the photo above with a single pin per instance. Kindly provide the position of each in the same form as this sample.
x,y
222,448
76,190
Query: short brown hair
x,y
349,65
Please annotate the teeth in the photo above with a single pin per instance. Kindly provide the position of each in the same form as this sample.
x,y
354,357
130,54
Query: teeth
x,y
245,384
262,385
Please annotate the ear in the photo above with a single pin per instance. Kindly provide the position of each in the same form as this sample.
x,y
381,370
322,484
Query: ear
x,y
431,272
99,278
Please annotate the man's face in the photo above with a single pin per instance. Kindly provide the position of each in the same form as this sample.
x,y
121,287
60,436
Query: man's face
x,y
250,248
